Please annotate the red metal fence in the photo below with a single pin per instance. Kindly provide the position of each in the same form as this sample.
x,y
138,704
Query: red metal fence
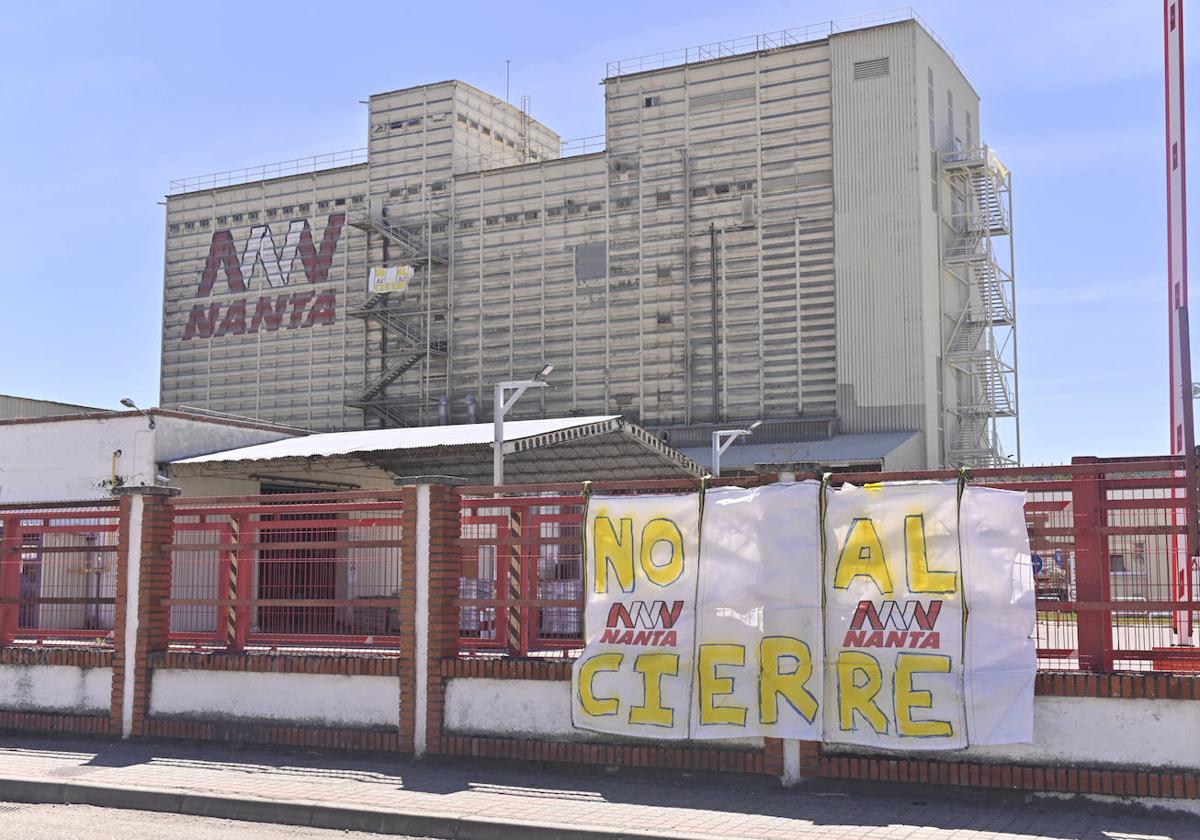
x,y
325,569
301,569
58,570
1104,535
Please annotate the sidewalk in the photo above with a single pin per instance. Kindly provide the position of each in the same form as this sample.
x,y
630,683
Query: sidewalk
x,y
463,799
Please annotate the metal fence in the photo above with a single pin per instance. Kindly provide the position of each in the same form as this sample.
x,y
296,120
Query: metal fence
x,y
1106,538
58,572
296,569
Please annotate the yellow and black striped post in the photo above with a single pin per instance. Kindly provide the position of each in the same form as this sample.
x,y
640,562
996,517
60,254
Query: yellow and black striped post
x,y
235,532
515,636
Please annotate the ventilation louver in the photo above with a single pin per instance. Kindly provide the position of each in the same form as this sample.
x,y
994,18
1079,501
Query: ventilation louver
x,y
872,68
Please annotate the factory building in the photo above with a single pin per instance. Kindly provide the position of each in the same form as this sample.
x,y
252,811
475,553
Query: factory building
x,y
804,228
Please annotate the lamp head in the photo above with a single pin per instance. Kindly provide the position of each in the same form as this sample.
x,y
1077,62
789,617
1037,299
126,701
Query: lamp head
x,y
543,373
754,425
128,403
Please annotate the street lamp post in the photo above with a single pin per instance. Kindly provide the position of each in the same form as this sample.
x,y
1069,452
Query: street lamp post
x,y
501,403
723,439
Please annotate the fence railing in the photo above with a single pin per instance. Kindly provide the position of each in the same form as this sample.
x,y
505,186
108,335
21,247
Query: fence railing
x,y
1107,538
58,572
301,569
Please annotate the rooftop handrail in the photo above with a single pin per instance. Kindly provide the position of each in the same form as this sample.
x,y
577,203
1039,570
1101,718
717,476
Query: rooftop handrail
x,y
767,41
279,169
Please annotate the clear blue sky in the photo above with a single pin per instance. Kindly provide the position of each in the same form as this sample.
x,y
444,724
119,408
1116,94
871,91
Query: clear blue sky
x,y
107,102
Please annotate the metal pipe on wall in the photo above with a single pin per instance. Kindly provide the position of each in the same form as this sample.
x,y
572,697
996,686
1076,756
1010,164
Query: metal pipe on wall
x,y
712,271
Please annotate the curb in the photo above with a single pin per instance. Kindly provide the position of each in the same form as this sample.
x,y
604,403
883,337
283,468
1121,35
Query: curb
x,y
314,815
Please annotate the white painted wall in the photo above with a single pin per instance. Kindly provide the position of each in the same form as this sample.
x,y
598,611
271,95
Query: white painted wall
x,y
524,709
1096,730
56,458
305,699
55,688
1067,730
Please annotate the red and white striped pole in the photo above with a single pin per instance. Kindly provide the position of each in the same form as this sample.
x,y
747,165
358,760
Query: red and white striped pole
x,y
1182,432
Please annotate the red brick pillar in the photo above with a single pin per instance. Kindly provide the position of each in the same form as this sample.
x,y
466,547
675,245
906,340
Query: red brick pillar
x,y
445,564
1091,567
141,619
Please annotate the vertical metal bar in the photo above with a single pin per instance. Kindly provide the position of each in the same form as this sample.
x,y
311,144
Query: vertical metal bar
x,y
498,435
1012,288
518,643
712,274
10,579
687,274
1094,627
1182,433
243,559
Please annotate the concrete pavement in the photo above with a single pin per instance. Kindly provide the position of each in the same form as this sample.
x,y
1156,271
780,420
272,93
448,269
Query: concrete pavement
x,y
465,799
70,822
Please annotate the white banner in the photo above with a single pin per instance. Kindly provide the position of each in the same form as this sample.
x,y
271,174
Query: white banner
x,y
641,564
759,615
910,628
392,278
894,617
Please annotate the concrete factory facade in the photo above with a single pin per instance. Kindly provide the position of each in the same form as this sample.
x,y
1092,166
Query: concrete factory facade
x,y
803,228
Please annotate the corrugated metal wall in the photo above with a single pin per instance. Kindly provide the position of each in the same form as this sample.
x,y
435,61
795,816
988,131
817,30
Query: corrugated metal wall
x,y
17,408
881,286
279,362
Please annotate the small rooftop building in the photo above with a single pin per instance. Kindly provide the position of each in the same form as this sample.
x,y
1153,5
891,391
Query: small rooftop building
x,y
78,457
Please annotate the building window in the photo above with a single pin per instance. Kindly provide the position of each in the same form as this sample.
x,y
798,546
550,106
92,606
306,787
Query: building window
x,y
951,136
651,101
590,261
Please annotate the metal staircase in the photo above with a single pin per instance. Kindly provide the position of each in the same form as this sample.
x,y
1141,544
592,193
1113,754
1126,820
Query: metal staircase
x,y
403,341
979,339
409,235
407,345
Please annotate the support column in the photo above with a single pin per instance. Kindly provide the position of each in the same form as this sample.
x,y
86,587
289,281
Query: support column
x,y
436,568
1094,626
444,570
141,621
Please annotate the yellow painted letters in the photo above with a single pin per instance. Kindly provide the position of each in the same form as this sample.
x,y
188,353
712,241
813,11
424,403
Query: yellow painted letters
x,y
613,550
909,698
862,554
662,531
652,667
775,681
853,697
920,577
593,705
713,686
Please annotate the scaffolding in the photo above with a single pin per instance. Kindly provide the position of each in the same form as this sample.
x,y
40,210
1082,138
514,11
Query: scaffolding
x,y
980,338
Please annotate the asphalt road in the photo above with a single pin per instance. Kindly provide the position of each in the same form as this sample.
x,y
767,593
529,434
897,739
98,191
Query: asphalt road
x,y
72,822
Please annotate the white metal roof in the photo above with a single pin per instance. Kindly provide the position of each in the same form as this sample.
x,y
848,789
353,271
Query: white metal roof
x,y
380,440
